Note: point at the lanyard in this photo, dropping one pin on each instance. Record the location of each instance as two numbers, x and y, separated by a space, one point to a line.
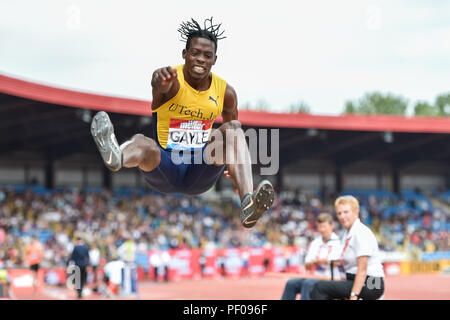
345 248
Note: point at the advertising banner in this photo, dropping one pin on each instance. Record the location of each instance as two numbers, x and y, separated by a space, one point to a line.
22 281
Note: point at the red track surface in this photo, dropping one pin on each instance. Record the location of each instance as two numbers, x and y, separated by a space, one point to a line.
412 287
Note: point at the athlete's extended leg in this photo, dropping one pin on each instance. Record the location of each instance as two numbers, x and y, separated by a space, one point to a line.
229 140
140 151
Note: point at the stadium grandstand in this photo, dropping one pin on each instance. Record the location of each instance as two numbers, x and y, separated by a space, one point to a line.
53 183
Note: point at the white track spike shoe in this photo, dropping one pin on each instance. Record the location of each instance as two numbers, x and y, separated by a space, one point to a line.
102 131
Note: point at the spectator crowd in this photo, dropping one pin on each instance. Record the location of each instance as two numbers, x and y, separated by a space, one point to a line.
406 222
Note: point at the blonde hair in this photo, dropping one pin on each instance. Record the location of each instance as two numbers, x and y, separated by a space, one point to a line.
325 217
351 200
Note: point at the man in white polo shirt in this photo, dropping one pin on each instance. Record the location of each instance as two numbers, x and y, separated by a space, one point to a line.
360 259
321 251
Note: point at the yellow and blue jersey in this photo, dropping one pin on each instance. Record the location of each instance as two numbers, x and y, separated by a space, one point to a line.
185 121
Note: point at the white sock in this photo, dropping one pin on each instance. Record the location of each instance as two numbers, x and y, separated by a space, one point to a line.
123 145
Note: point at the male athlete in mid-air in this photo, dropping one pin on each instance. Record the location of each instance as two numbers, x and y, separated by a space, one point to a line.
186 101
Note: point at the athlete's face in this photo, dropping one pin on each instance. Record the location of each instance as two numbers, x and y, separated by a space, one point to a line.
199 58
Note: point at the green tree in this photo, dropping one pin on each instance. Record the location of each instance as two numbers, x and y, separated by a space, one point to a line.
299 107
443 104
377 103
423 108
350 107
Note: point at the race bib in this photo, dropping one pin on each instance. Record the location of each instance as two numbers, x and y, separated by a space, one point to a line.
188 134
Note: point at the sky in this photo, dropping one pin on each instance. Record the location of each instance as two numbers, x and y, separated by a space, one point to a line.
280 52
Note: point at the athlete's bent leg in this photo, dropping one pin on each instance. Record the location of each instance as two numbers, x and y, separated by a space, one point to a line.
142 152
229 138
228 146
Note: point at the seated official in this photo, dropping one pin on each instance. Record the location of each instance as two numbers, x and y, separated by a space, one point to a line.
321 251
360 259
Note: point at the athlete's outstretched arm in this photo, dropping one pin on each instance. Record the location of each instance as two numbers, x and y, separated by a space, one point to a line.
165 86
141 151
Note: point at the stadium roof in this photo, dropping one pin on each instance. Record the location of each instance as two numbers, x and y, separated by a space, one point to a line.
54 123
71 98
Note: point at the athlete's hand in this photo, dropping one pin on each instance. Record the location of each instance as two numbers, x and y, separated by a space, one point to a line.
165 86
165 76
228 175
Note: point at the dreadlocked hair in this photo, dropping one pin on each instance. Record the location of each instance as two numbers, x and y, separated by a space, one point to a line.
192 29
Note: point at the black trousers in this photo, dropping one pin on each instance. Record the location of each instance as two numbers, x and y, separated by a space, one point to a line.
329 290
83 280
166 273
155 274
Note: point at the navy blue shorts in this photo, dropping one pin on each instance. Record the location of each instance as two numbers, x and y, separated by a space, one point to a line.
187 178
